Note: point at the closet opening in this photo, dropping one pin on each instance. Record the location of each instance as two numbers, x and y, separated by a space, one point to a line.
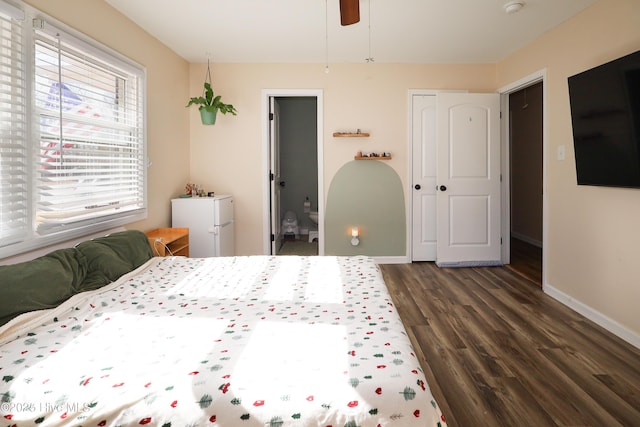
526 186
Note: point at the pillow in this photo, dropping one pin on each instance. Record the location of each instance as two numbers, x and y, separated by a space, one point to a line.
111 256
41 283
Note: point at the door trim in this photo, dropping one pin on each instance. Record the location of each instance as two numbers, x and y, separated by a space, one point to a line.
266 185
505 91
275 201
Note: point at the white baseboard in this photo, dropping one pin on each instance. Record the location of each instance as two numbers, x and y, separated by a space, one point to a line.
391 260
593 315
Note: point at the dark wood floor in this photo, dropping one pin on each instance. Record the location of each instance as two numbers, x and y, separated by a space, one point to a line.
497 351
526 260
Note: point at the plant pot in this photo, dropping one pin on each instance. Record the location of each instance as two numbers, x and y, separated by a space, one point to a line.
208 115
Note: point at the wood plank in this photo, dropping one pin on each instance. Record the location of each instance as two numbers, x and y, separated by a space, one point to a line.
526 260
497 351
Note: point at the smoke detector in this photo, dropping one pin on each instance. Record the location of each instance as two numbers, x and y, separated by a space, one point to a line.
513 6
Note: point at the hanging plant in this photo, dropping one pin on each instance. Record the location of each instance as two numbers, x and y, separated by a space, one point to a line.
210 103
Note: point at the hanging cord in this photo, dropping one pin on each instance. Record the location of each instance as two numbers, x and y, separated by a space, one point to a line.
207 76
166 248
61 134
370 58
326 37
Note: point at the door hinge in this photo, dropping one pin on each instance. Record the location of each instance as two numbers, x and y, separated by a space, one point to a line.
500 177
500 114
270 116
273 237
271 176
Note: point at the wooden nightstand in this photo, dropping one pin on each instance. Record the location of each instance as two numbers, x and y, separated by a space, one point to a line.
169 241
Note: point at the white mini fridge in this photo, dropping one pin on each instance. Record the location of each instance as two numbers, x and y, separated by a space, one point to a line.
210 224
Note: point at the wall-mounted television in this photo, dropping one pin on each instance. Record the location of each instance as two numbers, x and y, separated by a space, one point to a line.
605 115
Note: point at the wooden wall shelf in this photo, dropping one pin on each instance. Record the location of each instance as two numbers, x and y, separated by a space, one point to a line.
372 158
351 134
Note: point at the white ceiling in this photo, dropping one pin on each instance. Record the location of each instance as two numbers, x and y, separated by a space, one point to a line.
401 31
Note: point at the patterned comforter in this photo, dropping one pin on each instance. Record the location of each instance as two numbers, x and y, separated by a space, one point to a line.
237 341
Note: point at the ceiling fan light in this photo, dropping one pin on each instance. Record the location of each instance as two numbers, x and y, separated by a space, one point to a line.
513 6
349 12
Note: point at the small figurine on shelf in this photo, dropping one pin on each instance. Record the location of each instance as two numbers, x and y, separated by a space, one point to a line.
188 189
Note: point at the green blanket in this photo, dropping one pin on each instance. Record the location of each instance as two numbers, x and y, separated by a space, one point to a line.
47 281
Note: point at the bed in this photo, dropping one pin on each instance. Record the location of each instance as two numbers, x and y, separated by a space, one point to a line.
232 341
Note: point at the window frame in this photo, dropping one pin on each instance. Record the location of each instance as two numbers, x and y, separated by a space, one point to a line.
34 240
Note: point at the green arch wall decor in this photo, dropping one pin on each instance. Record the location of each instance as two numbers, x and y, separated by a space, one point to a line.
369 195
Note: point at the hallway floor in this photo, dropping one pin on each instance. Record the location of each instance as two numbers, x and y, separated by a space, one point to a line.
526 260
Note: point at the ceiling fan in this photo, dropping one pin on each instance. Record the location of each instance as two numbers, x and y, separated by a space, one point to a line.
349 12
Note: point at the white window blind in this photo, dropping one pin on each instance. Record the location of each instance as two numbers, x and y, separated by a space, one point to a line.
89 114
14 154
72 133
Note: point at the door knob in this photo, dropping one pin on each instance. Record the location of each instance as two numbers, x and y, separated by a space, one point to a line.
417 187
443 188
282 184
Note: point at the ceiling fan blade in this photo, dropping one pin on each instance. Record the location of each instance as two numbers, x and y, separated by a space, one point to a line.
349 12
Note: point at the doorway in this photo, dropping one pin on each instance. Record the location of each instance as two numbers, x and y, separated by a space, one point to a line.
298 184
292 157
526 180
528 259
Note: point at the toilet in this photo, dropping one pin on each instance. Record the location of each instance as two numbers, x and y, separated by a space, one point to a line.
313 216
313 234
290 228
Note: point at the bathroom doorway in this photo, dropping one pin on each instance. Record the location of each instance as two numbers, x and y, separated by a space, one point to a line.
294 173
298 162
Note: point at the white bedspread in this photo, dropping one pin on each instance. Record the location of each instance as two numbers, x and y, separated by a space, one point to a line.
238 341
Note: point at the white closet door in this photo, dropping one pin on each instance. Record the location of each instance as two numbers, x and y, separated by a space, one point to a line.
424 240
468 195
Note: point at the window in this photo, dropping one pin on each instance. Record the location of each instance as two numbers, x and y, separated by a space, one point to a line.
72 147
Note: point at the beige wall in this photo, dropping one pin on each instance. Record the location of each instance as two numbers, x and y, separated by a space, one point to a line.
593 234
167 89
227 157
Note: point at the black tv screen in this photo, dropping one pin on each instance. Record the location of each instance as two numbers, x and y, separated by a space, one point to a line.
605 115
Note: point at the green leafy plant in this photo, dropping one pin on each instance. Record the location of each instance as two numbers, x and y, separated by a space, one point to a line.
211 102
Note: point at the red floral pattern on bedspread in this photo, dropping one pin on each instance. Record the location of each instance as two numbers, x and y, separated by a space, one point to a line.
246 341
